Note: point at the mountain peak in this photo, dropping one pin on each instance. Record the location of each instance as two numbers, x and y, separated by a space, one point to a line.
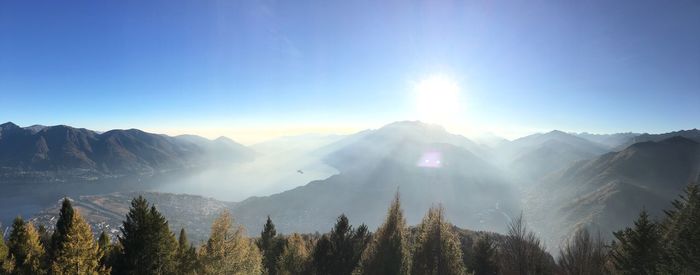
8 125
224 139
35 128
557 133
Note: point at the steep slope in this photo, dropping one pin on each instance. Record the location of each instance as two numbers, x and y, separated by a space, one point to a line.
693 134
383 142
611 141
63 152
404 157
535 156
607 192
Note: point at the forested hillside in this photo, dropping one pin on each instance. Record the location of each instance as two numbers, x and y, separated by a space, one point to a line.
147 245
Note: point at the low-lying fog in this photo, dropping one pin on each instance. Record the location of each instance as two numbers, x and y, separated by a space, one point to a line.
282 164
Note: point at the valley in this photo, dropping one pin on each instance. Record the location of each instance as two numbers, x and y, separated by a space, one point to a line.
303 183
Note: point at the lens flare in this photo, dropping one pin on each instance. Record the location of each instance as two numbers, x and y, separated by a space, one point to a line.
430 159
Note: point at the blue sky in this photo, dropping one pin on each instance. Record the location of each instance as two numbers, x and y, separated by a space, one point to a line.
256 69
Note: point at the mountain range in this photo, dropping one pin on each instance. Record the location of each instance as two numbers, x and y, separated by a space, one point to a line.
605 193
63 152
560 181
424 163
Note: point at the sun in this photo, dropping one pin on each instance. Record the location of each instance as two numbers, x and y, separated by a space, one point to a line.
437 99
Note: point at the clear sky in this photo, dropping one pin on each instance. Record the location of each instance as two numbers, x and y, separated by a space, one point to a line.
254 69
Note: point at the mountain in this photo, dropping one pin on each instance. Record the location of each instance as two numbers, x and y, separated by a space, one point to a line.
534 157
611 141
384 142
423 162
63 152
693 134
606 193
221 149
491 140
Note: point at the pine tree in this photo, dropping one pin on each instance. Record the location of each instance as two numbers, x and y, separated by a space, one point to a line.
485 260
25 247
638 250
78 253
295 257
148 245
681 234
522 252
65 218
270 246
44 236
186 255
437 250
336 253
228 251
360 239
388 252
583 255
105 248
321 256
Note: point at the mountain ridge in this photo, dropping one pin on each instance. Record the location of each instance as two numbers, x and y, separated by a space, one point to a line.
65 152
598 192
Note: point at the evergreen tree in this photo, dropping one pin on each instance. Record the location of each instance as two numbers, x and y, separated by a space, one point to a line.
44 236
342 247
25 248
148 246
105 248
522 252
388 252
65 218
485 260
228 251
340 251
270 246
638 250
360 238
681 234
437 250
78 253
295 257
186 255
583 255
321 257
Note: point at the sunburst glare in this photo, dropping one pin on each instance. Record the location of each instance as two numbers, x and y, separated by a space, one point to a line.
437 99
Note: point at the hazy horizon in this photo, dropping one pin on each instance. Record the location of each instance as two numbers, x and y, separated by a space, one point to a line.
254 136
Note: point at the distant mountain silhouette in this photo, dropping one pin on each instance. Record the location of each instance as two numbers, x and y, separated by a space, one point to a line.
607 192
383 142
64 152
577 180
535 156
611 141
426 164
693 134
